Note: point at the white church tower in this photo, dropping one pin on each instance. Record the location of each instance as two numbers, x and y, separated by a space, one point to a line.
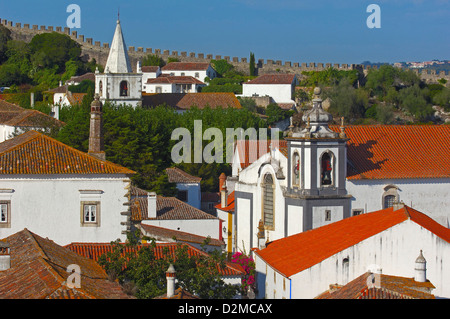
118 84
317 162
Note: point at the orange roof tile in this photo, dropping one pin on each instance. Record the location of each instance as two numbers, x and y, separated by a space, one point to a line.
36 153
14 115
161 251
175 79
177 175
250 150
293 254
230 204
38 271
397 151
389 287
185 101
165 234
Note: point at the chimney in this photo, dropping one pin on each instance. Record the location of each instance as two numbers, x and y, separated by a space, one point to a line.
420 269
151 199
95 132
170 276
5 256
223 190
398 205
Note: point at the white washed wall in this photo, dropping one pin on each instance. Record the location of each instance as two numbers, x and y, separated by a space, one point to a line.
51 207
394 250
429 196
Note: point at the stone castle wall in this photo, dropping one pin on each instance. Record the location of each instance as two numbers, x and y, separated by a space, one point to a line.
99 51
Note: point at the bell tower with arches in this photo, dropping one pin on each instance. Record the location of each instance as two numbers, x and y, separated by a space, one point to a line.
317 167
118 84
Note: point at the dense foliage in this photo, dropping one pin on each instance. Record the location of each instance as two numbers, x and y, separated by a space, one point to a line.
144 275
386 95
140 139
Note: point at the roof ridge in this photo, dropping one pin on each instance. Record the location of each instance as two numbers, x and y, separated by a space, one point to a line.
35 134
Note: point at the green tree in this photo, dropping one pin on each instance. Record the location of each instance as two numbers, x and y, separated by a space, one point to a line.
53 49
153 60
347 101
197 274
252 64
414 100
5 36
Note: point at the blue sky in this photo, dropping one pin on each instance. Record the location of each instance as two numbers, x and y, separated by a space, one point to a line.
321 31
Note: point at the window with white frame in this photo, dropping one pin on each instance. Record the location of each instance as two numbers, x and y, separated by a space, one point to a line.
90 213
5 214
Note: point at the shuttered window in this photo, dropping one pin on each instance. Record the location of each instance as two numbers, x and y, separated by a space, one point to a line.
268 200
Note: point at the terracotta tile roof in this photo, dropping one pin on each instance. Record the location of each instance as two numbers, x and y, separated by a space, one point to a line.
185 101
14 115
59 89
273 79
387 287
78 79
165 234
186 66
250 150
168 208
292 254
150 69
175 80
230 204
75 98
36 153
177 175
38 271
179 294
398 151
162 251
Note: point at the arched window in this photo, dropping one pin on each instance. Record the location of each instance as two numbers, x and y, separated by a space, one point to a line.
389 201
124 89
326 172
390 196
296 170
268 200
100 88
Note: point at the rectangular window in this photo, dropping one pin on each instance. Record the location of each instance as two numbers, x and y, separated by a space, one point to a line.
5 214
182 195
356 212
328 215
90 214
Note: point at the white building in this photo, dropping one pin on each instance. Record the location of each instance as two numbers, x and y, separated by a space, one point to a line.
279 87
198 70
14 120
118 83
173 84
60 192
188 186
383 242
148 72
149 209
320 175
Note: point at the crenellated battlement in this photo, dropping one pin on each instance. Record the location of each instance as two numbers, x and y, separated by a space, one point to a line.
99 51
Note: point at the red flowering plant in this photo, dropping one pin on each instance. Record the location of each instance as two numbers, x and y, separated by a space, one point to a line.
248 264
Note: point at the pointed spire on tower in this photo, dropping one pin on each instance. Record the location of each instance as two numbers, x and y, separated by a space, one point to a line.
118 60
